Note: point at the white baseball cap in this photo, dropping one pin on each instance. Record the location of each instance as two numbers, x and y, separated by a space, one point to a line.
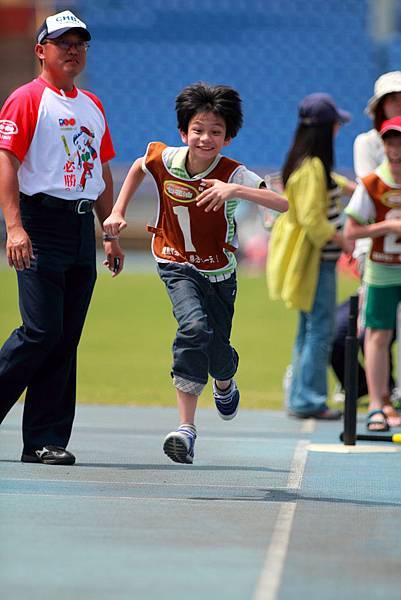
386 84
55 25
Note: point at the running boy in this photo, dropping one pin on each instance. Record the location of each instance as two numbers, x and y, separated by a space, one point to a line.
375 211
194 240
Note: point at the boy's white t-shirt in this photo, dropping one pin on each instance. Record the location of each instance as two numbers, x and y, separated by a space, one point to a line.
362 208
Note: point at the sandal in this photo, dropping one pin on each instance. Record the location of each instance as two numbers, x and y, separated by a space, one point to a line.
391 414
376 421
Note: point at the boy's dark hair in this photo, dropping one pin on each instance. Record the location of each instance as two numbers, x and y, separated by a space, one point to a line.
310 141
221 100
392 133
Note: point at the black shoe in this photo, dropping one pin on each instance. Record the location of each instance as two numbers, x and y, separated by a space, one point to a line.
49 455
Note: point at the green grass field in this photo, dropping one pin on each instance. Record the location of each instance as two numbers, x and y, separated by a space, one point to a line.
125 352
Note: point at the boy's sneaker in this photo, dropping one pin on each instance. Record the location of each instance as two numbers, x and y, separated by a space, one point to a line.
226 402
179 445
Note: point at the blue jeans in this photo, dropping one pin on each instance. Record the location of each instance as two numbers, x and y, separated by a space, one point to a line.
312 349
204 311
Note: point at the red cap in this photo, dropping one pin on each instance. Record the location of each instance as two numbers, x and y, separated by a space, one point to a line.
393 124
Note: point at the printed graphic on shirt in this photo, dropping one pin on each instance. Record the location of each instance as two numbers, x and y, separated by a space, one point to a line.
184 232
392 199
180 192
80 162
385 249
60 139
7 129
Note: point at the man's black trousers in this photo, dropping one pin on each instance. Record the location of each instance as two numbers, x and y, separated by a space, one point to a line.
54 295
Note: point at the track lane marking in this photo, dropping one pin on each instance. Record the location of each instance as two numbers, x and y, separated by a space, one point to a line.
270 578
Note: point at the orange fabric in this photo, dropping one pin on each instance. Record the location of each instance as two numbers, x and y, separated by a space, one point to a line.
184 232
385 199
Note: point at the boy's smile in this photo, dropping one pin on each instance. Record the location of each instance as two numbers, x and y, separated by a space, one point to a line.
205 138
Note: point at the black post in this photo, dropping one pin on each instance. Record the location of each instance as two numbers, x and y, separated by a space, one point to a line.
351 375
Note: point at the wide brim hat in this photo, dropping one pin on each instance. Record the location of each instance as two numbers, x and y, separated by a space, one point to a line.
55 25
386 84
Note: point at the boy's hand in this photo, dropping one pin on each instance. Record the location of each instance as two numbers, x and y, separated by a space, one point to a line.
346 245
216 194
114 257
114 224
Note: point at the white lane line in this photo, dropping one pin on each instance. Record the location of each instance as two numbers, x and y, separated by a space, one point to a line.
270 578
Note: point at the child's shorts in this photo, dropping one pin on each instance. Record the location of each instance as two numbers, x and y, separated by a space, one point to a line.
380 306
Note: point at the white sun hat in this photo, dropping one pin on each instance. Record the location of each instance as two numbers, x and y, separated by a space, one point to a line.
386 84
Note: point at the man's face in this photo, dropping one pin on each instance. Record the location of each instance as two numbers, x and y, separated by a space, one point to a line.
63 56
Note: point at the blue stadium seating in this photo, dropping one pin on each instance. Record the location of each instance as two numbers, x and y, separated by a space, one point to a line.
273 51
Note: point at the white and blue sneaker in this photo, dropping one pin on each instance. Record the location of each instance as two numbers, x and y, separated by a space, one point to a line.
179 445
226 402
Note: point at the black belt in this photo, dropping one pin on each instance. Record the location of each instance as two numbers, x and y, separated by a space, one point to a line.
81 206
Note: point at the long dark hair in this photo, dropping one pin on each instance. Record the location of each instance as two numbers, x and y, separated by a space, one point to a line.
379 115
310 141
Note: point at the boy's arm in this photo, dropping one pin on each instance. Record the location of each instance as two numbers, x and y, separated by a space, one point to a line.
217 193
361 213
116 221
354 230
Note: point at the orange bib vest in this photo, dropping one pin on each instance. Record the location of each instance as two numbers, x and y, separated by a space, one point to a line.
183 231
385 249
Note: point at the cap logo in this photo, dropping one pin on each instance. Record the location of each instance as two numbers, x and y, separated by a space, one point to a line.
67 18
63 19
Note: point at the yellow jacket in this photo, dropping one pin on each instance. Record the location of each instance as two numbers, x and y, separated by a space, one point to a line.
298 236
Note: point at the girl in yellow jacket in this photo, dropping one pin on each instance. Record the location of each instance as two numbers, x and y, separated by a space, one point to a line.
304 247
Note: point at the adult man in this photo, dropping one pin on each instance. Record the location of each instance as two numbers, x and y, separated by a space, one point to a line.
47 200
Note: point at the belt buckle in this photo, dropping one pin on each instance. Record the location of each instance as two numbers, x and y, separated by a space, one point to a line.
83 206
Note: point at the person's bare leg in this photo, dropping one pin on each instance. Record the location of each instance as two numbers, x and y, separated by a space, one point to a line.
377 342
223 385
186 407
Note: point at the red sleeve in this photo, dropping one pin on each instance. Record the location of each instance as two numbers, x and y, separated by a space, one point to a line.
18 119
107 151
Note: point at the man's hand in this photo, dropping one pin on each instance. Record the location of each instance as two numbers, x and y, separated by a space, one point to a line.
19 248
114 224
114 257
216 194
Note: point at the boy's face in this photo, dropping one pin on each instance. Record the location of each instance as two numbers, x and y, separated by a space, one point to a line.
206 136
392 149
